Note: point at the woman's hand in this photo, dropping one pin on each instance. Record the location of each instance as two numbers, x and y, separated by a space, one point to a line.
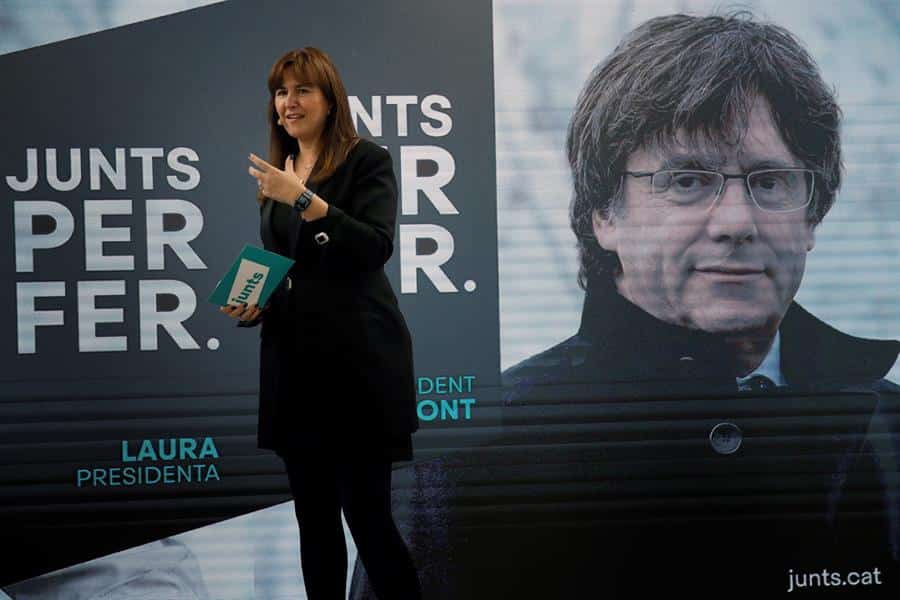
279 185
243 312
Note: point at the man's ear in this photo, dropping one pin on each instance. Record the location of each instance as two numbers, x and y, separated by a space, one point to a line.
810 236
605 231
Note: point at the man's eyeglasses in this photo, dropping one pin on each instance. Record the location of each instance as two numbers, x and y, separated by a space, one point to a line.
772 190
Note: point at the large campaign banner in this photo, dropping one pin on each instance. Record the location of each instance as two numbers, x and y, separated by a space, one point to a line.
649 264
128 401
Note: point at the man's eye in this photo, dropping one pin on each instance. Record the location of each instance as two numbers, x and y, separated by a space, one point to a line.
689 181
787 182
768 182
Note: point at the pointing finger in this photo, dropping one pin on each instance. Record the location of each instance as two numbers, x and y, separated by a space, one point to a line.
260 162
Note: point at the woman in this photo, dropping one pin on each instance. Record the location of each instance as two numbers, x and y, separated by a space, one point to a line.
337 398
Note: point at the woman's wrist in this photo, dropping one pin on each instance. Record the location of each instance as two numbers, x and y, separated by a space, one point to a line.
317 209
296 192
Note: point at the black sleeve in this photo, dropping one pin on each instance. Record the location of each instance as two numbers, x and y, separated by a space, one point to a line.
361 236
251 322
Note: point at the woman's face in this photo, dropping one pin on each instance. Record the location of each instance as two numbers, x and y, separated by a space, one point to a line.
302 108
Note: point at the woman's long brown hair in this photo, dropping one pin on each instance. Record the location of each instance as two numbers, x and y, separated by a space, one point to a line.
311 65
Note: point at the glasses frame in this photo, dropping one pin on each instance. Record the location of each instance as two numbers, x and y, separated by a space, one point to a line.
743 176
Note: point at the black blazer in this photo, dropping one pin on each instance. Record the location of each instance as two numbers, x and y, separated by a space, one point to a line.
336 371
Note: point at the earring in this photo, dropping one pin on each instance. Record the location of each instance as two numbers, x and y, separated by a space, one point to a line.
279 120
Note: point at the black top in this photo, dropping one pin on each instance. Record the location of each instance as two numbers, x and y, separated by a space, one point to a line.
281 223
336 372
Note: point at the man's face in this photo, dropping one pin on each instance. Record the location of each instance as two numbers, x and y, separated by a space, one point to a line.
728 268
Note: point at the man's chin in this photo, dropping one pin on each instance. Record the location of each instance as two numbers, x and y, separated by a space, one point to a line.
725 318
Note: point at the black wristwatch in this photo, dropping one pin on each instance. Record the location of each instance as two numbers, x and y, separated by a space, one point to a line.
303 201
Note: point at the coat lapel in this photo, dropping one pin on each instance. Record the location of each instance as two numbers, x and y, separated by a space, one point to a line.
815 354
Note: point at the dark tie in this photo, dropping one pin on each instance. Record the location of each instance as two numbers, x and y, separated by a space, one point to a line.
757 383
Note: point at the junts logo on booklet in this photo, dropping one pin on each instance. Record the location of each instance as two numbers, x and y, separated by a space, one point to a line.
251 278
248 283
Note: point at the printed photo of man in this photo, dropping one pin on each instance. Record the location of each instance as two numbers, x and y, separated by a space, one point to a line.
704 154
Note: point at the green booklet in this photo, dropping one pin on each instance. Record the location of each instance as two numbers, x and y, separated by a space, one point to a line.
252 278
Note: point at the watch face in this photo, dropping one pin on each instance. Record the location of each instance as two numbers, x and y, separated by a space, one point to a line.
303 201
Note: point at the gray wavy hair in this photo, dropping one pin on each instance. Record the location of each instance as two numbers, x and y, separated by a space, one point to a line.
697 76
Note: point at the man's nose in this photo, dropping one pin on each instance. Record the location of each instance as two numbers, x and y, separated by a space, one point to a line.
733 216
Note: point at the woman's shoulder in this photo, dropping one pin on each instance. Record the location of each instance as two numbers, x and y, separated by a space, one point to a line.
365 150
364 157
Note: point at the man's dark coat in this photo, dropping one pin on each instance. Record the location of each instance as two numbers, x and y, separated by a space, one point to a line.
642 502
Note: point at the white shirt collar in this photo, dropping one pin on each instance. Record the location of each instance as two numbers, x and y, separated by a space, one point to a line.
770 366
